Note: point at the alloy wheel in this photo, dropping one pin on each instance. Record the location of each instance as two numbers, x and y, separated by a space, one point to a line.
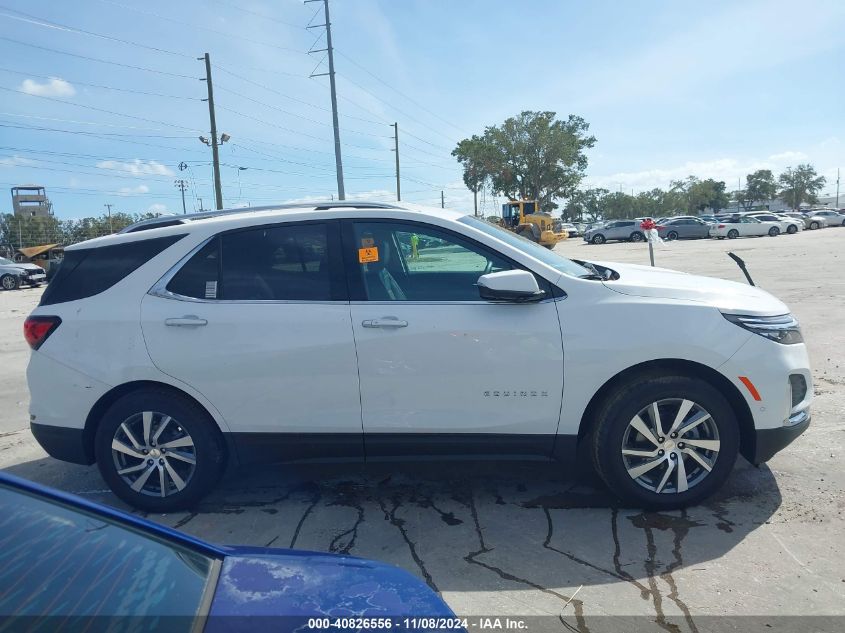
675 457
153 454
8 282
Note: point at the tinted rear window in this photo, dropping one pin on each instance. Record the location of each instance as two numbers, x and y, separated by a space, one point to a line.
90 271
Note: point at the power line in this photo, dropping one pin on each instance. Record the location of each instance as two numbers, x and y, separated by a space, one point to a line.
33 19
88 107
96 59
82 83
256 13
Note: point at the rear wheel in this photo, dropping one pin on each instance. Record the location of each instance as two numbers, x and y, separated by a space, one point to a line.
774 231
792 229
10 282
159 451
733 234
664 442
598 239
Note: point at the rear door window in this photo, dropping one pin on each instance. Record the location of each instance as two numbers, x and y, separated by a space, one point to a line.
86 272
288 262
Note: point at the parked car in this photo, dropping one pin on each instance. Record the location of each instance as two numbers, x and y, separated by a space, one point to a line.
65 559
743 226
683 228
786 224
13 275
571 230
832 218
811 222
710 219
306 331
621 230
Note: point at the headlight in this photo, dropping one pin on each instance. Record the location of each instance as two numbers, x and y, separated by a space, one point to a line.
781 329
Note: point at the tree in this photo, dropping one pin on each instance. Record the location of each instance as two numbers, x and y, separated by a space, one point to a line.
530 156
694 195
799 185
585 204
472 154
759 186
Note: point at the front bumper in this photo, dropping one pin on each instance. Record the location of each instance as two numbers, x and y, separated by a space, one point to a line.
770 441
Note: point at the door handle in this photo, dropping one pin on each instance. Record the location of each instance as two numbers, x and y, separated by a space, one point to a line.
385 322
186 321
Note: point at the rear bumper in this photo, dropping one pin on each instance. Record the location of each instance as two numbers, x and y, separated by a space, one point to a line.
64 443
771 441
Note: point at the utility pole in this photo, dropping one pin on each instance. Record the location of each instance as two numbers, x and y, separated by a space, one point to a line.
442 200
215 156
200 199
181 185
109 206
837 187
341 193
396 149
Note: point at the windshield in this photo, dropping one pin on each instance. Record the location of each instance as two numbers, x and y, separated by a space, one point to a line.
6 262
541 253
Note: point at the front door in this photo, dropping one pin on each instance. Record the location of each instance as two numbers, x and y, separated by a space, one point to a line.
257 321
442 371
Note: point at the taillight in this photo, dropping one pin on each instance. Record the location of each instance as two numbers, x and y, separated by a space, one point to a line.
36 329
721 226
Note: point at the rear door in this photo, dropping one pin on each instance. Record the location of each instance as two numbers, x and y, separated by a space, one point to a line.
257 321
442 371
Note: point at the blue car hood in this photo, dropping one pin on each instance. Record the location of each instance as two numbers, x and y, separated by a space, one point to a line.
307 584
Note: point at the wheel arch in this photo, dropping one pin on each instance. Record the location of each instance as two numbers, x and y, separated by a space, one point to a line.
677 366
113 395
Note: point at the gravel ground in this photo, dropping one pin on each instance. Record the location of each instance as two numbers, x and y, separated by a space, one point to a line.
519 538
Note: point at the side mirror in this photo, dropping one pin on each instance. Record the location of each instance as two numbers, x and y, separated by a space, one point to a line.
517 286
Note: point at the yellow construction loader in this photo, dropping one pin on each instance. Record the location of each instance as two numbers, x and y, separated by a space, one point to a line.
524 218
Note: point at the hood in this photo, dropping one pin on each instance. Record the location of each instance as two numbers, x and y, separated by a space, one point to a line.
23 266
306 584
727 296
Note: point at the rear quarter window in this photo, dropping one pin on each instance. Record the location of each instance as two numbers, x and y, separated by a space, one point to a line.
89 271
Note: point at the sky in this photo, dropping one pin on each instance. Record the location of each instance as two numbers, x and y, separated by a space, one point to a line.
102 99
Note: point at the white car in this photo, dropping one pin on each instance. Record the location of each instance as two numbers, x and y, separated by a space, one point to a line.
787 225
13 274
345 330
743 226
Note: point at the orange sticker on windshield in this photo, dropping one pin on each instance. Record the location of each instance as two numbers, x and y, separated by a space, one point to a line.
367 255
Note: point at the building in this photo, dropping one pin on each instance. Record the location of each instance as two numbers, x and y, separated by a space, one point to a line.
31 201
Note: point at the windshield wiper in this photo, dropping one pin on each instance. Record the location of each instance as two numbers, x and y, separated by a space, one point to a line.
593 276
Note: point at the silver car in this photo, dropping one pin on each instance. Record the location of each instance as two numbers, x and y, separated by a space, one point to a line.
683 227
833 218
811 222
13 275
621 230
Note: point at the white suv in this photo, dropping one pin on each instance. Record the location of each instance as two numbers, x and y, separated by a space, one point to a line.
354 330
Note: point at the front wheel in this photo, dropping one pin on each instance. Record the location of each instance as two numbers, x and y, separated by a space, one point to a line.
664 442
10 282
672 236
598 239
159 451
814 226
774 231
636 236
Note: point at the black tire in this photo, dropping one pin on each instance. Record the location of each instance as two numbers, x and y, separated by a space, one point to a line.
792 229
636 236
672 236
208 449
598 238
814 225
774 231
623 404
10 282
733 234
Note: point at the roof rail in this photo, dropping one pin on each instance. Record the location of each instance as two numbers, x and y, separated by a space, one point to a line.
171 220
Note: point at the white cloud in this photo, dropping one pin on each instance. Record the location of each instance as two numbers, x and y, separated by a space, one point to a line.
15 161
134 190
158 208
53 87
137 167
730 170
